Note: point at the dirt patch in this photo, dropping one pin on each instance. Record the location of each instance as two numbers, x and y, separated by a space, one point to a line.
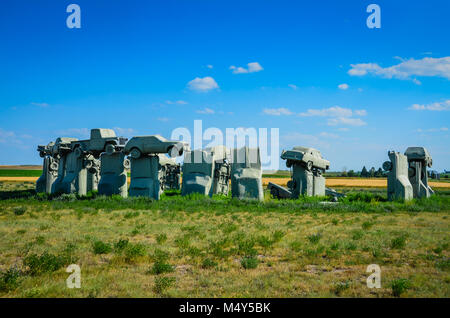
24 167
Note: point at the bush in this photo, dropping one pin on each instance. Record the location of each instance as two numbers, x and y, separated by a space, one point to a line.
357 235
100 247
398 242
183 242
314 238
44 263
399 286
367 197
120 245
9 280
134 250
161 238
443 264
367 225
160 267
264 241
350 246
245 248
249 262
20 210
340 287
278 235
40 240
334 246
162 283
208 263
160 255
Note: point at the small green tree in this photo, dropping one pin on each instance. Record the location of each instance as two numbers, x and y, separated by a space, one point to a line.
364 173
379 172
372 172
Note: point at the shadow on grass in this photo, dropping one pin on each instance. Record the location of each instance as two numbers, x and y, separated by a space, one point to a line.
172 201
17 194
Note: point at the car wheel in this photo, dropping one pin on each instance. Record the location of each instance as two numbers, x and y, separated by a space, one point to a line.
110 149
135 153
175 151
411 172
78 152
88 164
126 164
54 166
387 166
274 193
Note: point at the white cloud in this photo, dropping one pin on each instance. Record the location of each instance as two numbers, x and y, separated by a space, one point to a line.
179 102
238 70
209 66
361 112
204 84
328 135
432 129
343 86
334 111
43 105
428 66
251 68
6 136
206 111
277 111
339 115
438 106
83 133
10 138
254 67
295 139
349 121
127 132
293 86
163 119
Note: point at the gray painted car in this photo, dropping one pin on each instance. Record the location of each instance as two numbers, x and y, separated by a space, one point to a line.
310 157
154 144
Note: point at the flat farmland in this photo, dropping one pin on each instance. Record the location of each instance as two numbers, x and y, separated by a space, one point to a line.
197 246
330 182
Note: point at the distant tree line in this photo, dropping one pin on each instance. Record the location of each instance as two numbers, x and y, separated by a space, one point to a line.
364 173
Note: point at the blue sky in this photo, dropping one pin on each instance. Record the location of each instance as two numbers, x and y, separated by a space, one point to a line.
316 72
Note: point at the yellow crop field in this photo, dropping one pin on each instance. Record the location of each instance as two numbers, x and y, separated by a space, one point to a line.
330 182
353 182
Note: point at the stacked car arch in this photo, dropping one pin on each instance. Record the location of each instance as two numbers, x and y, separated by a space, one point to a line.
101 163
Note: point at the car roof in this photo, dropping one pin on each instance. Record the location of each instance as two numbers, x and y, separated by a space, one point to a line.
159 137
305 149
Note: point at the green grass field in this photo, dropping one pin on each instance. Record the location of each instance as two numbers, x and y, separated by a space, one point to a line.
220 247
20 173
